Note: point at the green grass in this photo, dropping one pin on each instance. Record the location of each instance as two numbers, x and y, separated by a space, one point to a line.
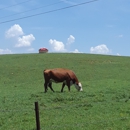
104 103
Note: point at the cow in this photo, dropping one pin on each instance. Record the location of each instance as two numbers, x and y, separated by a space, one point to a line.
61 75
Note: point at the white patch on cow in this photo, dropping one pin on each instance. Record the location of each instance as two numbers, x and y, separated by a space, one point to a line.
71 82
78 86
52 80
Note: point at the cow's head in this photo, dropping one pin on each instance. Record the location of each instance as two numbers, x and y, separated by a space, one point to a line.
78 86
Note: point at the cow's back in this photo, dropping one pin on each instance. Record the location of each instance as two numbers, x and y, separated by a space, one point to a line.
59 74
72 75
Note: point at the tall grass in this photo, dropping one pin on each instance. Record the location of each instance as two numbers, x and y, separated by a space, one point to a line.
103 104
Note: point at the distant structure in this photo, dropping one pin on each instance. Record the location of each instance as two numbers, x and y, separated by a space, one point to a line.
43 50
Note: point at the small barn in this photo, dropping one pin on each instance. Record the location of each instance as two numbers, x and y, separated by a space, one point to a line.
43 50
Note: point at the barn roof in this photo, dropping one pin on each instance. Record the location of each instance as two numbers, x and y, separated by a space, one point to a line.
43 49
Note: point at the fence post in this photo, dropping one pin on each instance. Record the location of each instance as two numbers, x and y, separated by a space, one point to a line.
37 116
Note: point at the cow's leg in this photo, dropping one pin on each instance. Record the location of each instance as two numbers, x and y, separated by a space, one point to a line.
45 87
68 84
63 85
50 86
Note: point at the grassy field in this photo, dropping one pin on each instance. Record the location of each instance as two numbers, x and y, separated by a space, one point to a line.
104 103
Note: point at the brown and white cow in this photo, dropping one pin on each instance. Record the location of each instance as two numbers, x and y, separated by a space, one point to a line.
58 75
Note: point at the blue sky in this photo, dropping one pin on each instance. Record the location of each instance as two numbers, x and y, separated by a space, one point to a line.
99 27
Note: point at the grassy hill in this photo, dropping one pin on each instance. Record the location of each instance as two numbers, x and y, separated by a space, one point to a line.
103 104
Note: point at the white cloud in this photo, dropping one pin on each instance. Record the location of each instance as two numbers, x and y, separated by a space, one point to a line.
57 45
14 31
17 34
25 41
76 51
70 40
100 49
6 51
118 54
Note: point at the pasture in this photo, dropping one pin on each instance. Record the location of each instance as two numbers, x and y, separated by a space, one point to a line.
104 103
